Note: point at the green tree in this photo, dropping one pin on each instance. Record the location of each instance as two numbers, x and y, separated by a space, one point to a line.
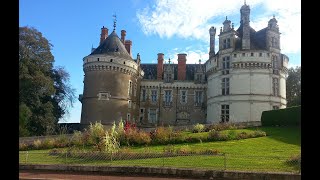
293 89
43 90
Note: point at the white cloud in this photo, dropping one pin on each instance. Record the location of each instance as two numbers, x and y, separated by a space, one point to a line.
191 18
193 56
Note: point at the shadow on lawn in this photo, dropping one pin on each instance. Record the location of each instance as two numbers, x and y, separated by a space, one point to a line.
290 135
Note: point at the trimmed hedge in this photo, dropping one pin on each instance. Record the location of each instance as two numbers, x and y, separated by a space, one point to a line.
282 117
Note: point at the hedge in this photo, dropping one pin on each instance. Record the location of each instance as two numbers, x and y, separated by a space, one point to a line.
282 117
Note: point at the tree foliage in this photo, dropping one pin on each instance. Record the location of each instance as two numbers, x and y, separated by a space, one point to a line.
44 91
293 89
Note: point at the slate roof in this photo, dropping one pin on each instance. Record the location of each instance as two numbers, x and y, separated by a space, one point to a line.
150 71
113 46
257 39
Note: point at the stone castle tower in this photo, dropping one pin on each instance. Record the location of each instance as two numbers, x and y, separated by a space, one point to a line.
248 74
111 81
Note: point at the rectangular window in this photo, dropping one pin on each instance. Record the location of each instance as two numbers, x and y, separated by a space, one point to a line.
167 97
225 65
103 96
129 104
128 117
198 100
225 113
152 115
153 96
130 88
260 54
143 98
228 43
243 54
225 86
141 110
251 54
168 78
183 96
275 86
199 77
224 44
135 90
235 55
275 65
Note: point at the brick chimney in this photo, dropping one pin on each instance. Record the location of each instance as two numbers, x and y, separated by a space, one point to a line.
123 36
182 60
104 34
128 45
160 66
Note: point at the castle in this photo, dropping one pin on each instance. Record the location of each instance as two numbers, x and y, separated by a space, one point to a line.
236 84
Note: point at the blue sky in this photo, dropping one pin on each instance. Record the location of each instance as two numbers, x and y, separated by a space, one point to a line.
166 26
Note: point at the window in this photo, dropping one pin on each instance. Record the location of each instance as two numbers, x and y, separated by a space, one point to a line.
130 88
225 65
124 62
128 117
260 54
168 78
226 43
274 42
199 77
152 115
243 54
129 104
183 96
103 96
275 107
141 110
98 59
225 86
135 90
275 86
235 55
143 98
224 113
251 54
167 97
153 96
268 54
275 65
111 60
198 100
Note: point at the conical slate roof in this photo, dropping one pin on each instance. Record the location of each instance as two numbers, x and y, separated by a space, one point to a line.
112 46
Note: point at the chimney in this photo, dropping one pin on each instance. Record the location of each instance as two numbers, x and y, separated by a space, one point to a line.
104 34
128 45
123 36
182 59
160 66
212 32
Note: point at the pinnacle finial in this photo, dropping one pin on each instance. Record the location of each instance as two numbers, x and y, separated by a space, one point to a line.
169 61
226 17
245 2
114 21
199 61
273 16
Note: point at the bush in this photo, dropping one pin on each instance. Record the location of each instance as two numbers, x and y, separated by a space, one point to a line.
210 151
23 147
37 144
184 150
134 137
168 149
232 135
242 135
162 135
48 143
198 128
295 161
259 133
216 136
77 138
221 127
282 117
61 141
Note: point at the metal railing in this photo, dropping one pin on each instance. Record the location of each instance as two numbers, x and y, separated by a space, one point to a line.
205 160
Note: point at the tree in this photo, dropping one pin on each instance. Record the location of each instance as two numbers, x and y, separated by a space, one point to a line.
42 88
293 87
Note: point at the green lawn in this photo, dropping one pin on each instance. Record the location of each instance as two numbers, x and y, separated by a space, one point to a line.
256 154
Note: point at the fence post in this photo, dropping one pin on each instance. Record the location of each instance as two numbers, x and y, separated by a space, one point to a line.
27 157
225 161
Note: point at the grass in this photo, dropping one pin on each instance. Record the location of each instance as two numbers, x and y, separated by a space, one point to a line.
256 154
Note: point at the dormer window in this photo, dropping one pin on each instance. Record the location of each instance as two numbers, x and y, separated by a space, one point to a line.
226 43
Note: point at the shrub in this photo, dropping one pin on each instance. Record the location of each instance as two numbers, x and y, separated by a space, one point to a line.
282 117
210 151
77 138
61 141
295 161
184 150
23 147
232 135
37 144
198 128
111 143
97 135
161 135
55 152
48 143
217 136
242 135
134 137
221 127
259 133
168 149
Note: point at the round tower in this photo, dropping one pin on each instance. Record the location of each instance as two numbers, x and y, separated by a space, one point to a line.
111 82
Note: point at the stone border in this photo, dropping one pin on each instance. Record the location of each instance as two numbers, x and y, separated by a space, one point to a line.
162 171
